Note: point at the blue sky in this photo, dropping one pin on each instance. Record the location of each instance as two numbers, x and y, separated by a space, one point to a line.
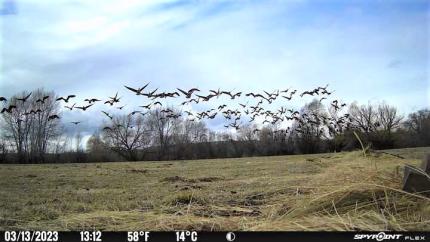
366 50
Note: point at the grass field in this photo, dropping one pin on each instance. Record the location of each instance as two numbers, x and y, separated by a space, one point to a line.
336 191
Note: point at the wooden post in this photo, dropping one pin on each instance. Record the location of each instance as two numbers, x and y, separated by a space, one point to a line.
416 180
425 165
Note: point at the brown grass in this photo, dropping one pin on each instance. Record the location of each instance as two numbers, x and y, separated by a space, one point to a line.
340 191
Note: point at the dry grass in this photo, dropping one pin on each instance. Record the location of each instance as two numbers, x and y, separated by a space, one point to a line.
342 191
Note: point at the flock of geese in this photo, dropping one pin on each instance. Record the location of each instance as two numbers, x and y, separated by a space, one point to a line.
234 116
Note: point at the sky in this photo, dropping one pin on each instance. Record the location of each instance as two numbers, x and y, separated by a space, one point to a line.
367 50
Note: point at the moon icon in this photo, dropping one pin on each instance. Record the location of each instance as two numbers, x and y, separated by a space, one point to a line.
230 236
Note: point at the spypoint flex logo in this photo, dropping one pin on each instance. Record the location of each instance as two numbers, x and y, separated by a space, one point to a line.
378 237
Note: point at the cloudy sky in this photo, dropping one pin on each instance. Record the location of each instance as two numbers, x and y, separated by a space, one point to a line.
367 50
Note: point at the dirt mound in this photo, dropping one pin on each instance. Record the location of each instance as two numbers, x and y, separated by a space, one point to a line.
188 187
226 212
190 180
137 171
174 179
185 198
209 179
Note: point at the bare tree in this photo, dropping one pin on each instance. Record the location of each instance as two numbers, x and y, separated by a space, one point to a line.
418 124
197 130
310 130
3 151
60 147
248 133
95 144
272 140
182 139
249 137
29 127
186 137
377 123
78 144
162 127
266 140
364 117
127 136
97 150
388 118
80 155
337 125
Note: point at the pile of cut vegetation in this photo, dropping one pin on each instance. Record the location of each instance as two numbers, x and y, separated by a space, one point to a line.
359 193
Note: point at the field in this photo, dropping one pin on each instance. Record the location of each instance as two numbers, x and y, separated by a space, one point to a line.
336 191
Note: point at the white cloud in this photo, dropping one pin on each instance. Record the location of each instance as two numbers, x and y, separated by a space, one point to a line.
94 47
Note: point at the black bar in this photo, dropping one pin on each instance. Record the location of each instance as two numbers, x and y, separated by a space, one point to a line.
122 236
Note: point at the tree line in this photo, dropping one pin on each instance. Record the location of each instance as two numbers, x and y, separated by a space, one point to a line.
39 138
